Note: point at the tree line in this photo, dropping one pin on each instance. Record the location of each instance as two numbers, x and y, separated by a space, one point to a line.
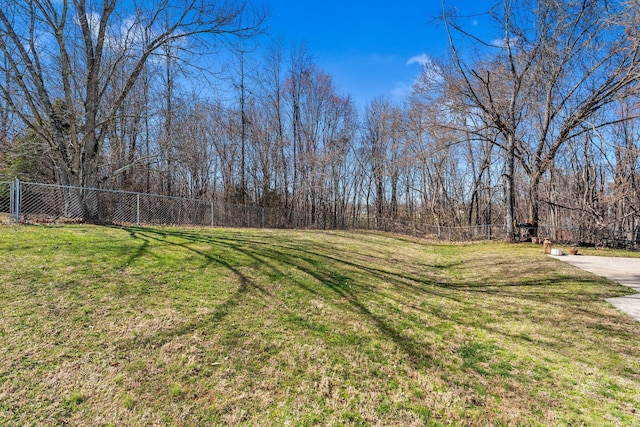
536 125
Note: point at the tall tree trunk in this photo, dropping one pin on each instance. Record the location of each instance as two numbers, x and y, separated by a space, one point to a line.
534 202
510 192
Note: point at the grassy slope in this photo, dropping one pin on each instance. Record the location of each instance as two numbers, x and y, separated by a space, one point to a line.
142 326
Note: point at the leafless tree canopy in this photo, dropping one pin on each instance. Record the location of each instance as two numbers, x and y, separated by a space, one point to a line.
536 124
72 65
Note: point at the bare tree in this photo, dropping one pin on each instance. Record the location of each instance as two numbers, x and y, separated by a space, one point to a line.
582 65
272 79
71 49
542 83
376 139
494 89
4 113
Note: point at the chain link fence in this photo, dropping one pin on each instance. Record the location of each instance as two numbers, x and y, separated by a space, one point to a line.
22 202
430 231
32 202
6 201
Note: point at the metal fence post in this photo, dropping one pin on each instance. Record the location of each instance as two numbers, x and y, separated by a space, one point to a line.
18 200
138 209
262 211
212 214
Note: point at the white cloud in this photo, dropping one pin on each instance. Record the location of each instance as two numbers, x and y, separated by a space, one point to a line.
422 59
499 43
400 91
431 71
502 43
93 19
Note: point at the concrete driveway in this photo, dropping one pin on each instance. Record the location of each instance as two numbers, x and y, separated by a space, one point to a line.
625 271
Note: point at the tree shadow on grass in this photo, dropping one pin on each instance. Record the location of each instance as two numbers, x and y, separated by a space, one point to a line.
344 287
158 338
276 256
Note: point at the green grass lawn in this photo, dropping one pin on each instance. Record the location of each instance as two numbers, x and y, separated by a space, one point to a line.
177 326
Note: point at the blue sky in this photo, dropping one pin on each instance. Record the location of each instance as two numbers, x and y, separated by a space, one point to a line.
368 46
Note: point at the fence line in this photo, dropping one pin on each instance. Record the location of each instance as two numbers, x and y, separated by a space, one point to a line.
7 201
22 202
34 202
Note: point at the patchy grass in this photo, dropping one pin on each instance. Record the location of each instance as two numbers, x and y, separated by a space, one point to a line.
176 326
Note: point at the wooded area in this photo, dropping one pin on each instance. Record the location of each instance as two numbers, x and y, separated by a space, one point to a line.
538 125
